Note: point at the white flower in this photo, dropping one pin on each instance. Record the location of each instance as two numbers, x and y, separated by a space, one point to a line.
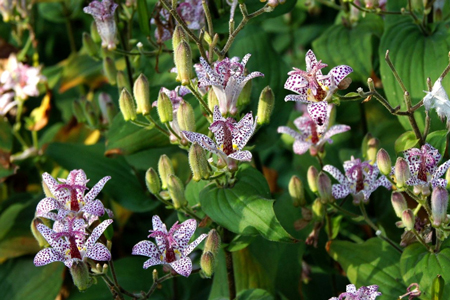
438 99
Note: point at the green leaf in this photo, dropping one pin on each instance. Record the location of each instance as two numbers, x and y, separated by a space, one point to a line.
254 294
420 266
353 46
6 139
193 190
143 17
438 140
246 208
8 217
372 262
405 141
123 187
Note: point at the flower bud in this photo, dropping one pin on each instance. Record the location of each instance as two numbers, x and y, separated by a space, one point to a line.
372 148
91 115
183 62
152 181
408 219
127 106
107 108
399 203
89 45
401 172
437 288
312 178
165 109
141 92
265 105
244 96
297 191
186 117
176 191
178 35
109 67
318 210
78 111
439 204
207 263
198 162
122 81
384 162
447 177
94 33
80 274
324 188
207 38
165 169
212 100
370 84
212 242
37 235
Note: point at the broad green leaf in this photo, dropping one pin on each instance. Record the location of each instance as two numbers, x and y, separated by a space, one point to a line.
353 46
59 12
438 140
245 208
406 141
255 294
143 16
193 190
373 262
239 242
8 217
420 266
81 69
123 187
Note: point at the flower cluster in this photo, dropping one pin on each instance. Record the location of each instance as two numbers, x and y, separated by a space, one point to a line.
363 293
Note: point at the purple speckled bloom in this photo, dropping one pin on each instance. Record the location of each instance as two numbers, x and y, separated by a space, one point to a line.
423 166
311 134
363 293
360 180
227 79
171 247
103 13
69 198
231 136
70 243
191 11
314 88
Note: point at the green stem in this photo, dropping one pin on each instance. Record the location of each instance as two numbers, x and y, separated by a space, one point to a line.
172 131
34 137
377 11
229 266
199 98
66 13
344 211
420 239
150 118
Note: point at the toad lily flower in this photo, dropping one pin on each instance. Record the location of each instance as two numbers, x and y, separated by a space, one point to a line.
438 99
103 13
363 293
231 137
314 88
68 197
191 11
423 166
312 135
360 180
227 80
171 247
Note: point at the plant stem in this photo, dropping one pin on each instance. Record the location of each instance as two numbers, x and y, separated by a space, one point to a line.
344 211
229 265
377 11
420 239
199 98
150 118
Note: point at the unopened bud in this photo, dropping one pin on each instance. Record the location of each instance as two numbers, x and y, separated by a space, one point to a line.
447 177
178 35
212 100
183 62
165 109
439 204
207 263
155 275
165 169
176 191
141 92
401 172
244 96
78 111
198 163
208 39
109 67
212 242
297 191
384 162
127 106
107 108
318 210
265 105
37 235
152 181
371 84
312 178
372 148
122 81
94 33
186 117
89 45
398 203
437 288
91 115
324 188
408 219
80 274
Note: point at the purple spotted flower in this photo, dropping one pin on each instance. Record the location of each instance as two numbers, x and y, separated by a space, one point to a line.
363 293
70 243
103 13
311 134
227 79
171 247
314 88
191 11
423 166
231 137
68 197
360 180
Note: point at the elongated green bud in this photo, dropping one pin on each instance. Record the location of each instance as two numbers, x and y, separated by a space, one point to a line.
408 219
208 39
244 96
165 109
372 148
122 81
37 235
439 205
165 169
265 105
399 203
183 62
312 176
152 181
318 210
447 177
178 35
89 45
437 288
186 117
198 163
78 111
401 172
91 115
212 100
176 191
109 67
324 188
141 92
297 191
212 242
80 275
155 275
207 263
384 162
94 33
370 84
127 106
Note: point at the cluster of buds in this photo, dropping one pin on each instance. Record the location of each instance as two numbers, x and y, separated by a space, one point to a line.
208 260
141 103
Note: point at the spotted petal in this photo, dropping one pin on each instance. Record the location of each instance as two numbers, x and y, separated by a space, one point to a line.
52 185
241 155
184 233
58 244
296 83
290 131
302 97
340 72
95 208
158 225
340 191
333 171
441 169
96 189
46 256
45 206
98 252
147 248
300 147
311 60
182 266
186 251
318 112
97 232
201 139
243 131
